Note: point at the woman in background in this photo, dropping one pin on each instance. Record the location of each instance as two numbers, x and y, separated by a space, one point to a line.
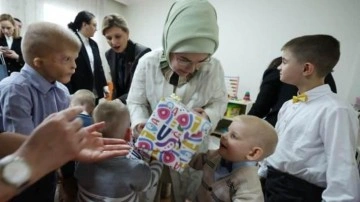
89 73
10 44
123 56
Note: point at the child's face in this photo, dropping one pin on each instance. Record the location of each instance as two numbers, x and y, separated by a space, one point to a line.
291 70
58 66
235 144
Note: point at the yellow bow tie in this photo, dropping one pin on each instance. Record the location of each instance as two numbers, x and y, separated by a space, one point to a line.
300 98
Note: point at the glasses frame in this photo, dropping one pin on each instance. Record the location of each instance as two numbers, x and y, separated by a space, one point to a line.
185 63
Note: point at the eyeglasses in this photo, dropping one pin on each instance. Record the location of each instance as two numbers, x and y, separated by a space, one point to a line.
186 63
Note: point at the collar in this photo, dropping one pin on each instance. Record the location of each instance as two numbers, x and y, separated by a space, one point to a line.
83 38
37 80
85 113
235 165
317 92
8 38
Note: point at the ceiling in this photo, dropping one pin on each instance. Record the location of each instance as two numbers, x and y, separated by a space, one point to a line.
129 2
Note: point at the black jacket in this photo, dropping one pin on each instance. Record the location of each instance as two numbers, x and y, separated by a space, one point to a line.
123 66
273 93
83 78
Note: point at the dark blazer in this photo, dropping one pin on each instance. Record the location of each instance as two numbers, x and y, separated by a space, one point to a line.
83 78
273 93
12 64
122 67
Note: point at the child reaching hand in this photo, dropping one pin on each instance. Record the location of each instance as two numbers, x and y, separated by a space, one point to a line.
230 173
119 178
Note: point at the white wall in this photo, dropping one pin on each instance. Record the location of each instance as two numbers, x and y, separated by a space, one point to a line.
146 20
253 31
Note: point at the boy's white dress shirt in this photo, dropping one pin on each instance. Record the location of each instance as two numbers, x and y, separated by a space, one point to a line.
317 141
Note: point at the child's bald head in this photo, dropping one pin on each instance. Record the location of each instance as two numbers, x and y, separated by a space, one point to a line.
249 139
116 116
260 133
44 38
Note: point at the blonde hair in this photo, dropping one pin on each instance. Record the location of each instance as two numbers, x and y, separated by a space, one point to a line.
261 133
114 20
116 116
44 38
83 97
8 17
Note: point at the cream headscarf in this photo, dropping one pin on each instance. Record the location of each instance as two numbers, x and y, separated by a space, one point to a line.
191 27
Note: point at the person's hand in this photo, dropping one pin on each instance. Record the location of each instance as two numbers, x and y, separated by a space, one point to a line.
58 139
201 112
96 148
4 48
138 128
61 138
10 54
107 92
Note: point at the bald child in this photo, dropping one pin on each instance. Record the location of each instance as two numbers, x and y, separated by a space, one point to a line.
119 178
230 173
86 99
31 95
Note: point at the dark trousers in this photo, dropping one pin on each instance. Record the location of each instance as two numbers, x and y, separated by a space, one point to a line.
42 191
283 187
67 184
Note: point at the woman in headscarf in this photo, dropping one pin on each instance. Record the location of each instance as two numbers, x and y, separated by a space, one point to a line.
184 66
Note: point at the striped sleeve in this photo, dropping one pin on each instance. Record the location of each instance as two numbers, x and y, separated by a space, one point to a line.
156 168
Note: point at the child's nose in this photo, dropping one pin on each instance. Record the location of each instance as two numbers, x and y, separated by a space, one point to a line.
74 64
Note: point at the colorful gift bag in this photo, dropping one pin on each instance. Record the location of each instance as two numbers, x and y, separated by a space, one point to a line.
173 134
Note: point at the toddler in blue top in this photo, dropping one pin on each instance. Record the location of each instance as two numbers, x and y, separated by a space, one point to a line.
86 99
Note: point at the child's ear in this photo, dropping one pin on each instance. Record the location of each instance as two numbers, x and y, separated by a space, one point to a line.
255 154
127 136
308 69
37 62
